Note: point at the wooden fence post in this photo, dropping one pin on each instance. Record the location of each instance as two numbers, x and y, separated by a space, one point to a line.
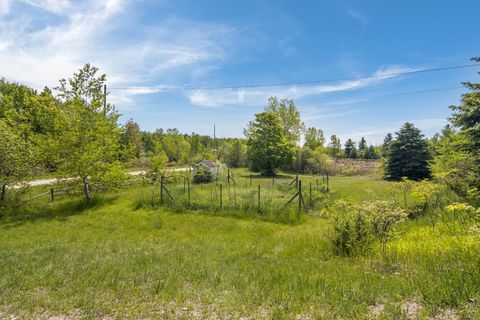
300 196
310 194
328 183
273 181
250 179
161 189
189 193
52 195
258 202
221 200
296 181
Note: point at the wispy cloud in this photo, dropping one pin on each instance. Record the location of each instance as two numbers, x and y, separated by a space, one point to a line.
52 39
358 16
259 96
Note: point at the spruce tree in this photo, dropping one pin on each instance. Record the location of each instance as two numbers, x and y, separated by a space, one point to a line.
409 155
350 149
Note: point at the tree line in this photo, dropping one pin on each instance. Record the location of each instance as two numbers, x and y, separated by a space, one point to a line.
72 131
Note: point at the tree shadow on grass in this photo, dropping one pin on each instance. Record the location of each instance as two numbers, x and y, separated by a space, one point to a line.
52 211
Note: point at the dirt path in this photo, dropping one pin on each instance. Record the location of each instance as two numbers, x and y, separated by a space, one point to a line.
43 182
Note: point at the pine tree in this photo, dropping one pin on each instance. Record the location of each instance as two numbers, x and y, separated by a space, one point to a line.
362 148
466 117
386 144
409 155
350 149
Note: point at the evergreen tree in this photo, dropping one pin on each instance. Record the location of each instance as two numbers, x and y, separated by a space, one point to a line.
362 147
409 155
350 149
466 117
386 144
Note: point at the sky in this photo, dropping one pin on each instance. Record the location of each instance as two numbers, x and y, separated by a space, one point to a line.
192 64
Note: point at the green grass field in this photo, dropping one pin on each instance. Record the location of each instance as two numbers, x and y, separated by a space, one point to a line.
118 260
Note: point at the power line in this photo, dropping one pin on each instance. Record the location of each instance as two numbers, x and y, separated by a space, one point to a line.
155 89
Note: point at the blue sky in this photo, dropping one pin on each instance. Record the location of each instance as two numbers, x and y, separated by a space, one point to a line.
159 49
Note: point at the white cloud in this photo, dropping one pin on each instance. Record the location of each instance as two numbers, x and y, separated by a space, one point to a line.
5 7
55 38
259 96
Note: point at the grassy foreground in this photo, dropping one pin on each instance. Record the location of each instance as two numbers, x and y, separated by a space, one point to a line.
113 261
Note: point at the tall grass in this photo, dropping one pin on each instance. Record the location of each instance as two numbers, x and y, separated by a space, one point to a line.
110 261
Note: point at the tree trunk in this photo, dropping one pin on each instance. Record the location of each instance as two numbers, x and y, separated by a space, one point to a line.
4 190
86 190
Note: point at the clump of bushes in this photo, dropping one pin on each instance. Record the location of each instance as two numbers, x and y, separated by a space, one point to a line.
202 175
359 226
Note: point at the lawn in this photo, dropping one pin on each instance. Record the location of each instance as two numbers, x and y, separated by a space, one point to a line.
115 260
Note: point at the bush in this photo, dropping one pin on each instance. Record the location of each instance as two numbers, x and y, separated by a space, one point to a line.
360 225
202 175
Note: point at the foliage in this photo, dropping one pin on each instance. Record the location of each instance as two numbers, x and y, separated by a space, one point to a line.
88 143
268 147
335 146
236 156
131 140
466 117
314 138
350 149
385 148
359 225
289 117
409 155
157 166
15 160
202 175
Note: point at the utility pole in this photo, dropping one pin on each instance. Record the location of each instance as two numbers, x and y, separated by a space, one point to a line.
215 141
104 99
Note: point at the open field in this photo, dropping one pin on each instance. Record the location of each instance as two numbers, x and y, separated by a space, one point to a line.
116 259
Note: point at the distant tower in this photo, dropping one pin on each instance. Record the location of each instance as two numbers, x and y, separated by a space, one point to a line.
215 142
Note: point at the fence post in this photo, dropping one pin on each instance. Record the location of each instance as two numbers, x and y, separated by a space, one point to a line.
328 183
258 203
221 200
310 194
184 184
189 193
52 195
250 179
273 181
161 189
300 196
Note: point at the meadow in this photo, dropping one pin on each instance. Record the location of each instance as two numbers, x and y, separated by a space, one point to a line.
127 256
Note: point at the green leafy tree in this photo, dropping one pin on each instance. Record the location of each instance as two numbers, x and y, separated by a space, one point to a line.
289 117
15 159
267 146
350 149
131 140
236 155
314 138
89 142
335 146
409 155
